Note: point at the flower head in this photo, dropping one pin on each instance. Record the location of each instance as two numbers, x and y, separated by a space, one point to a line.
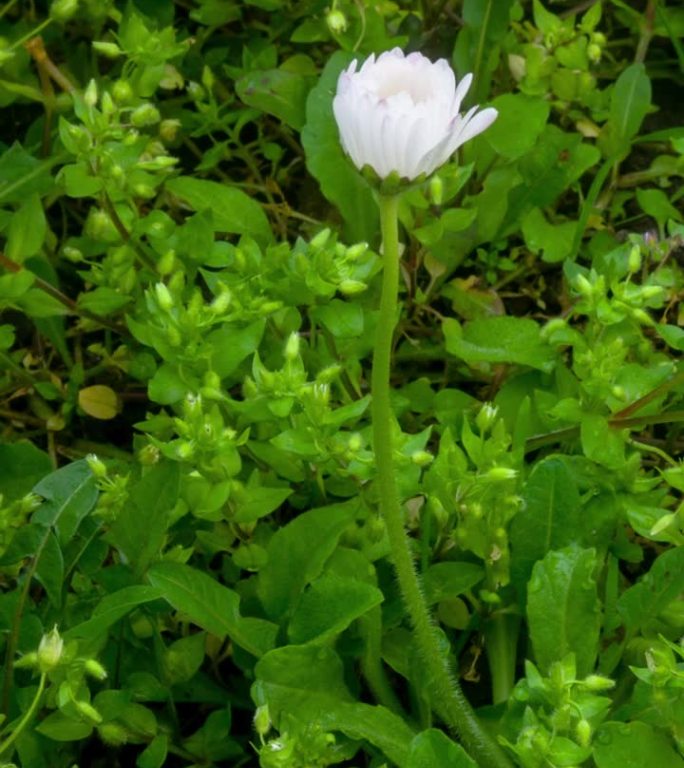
401 113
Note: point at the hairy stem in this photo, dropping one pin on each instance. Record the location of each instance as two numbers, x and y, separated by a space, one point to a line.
445 689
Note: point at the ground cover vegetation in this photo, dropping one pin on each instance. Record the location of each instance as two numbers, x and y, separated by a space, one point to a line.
194 567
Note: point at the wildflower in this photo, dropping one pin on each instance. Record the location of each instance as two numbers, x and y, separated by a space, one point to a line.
400 114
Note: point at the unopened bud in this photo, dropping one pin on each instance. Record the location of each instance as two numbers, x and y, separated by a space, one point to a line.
107 49
262 720
90 94
112 734
96 466
292 347
144 115
95 669
164 297
320 240
351 287
50 650
634 260
336 21
422 458
63 10
436 190
598 683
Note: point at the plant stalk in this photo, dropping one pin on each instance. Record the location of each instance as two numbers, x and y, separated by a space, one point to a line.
445 688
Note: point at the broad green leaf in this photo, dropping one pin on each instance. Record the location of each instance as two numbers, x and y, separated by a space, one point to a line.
22 465
99 401
655 591
230 345
329 606
630 101
297 553
155 753
140 528
552 241
58 727
548 518
78 181
520 121
446 580
167 385
433 748
112 608
499 340
259 502
655 203
233 211
277 92
70 494
340 182
21 175
307 682
27 230
343 319
211 606
634 745
103 301
600 442
563 610
50 569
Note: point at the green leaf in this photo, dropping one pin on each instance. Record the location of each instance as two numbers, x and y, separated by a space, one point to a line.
499 340
59 727
340 182
548 518
297 553
230 346
633 745
70 494
167 386
520 121
50 569
329 606
155 753
630 101
22 175
343 319
233 211
655 203
277 92
211 605
112 608
563 611
103 301
27 230
433 748
552 241
663 583
260 502
600 442
22 465
307 682
447 580
78 182
140 528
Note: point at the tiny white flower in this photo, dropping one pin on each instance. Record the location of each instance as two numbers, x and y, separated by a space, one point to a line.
401 114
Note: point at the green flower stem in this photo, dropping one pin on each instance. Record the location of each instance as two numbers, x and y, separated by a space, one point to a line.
26 719
445 688
501 636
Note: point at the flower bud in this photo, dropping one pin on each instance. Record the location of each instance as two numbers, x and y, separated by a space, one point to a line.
63 10
321 239
96 466
122 91
164 297
168 130
50 650
27 661
583 733
292 347
598 683
422 458
144 115
500 474
262 720
90 94
95 670
336 21
436 190
74 255
634 260
107 49
351 287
